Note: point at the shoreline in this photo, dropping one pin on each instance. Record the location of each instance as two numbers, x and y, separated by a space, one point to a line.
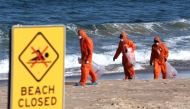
105 76
140 74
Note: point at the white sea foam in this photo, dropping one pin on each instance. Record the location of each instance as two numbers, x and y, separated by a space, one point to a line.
72 27
174 42
141 56
71 61
179 55
106 58
4 66
111 47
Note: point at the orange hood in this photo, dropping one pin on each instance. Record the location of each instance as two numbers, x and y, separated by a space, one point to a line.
157 38
82 33
124 35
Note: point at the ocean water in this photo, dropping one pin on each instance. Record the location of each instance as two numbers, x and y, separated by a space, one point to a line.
103 21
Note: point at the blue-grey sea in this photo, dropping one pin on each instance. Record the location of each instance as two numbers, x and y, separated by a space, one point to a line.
103 21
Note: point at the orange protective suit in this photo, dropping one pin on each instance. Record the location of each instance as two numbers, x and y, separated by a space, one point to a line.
159 55
122 46
86 47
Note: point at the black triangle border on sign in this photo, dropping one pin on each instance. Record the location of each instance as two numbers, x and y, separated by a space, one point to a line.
38 80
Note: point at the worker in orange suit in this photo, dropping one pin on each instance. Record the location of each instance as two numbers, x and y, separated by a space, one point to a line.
123 48
86 47
159 56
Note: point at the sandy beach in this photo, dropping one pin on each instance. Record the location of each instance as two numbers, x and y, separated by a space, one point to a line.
3 97
138 94
120 94
34 51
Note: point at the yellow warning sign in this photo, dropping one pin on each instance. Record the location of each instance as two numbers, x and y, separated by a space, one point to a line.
37 67
38 56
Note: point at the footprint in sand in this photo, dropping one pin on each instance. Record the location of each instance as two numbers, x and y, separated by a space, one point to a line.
2 92
183 85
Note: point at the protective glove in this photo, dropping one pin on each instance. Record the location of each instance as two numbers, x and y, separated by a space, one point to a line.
150 63
79 60
126 51
113 59
165 59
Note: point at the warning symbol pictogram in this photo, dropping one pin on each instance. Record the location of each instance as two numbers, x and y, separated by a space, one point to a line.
38 56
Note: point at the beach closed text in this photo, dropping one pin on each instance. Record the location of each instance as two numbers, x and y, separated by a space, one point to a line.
37 96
